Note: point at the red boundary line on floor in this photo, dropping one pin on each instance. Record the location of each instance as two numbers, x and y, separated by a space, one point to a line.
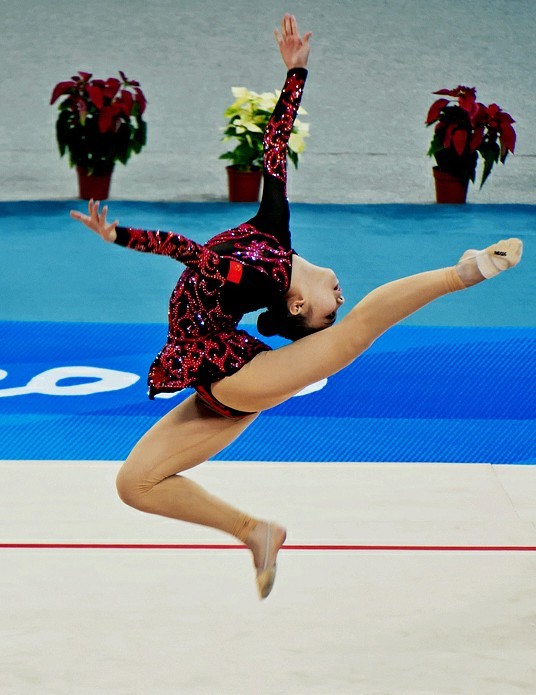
222 546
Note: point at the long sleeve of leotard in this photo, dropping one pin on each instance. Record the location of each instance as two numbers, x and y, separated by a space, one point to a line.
273 216
200 258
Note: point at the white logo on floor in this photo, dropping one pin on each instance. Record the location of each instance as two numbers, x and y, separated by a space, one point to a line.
48 383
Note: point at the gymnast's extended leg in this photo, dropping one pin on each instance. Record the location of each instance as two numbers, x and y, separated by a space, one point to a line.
272 377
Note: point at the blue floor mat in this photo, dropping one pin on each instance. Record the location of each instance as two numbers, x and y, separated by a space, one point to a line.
422 394
462 392
53 269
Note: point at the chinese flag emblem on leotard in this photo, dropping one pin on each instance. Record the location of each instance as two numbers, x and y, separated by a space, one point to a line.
235 272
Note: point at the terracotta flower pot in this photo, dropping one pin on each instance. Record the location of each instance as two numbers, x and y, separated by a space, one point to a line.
449 189
96 187
244 186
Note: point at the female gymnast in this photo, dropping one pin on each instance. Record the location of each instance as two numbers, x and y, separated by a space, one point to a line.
236 376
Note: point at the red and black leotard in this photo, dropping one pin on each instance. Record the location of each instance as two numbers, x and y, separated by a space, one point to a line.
235 272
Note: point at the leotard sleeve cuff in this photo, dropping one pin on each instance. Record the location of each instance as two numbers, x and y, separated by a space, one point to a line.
122 237
299 72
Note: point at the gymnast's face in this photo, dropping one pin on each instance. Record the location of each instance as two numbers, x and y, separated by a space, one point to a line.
321 300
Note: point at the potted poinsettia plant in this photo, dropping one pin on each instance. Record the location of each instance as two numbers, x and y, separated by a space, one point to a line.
466 129
247 118
99 123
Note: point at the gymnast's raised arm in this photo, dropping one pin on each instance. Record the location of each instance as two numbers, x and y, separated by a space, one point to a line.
273 216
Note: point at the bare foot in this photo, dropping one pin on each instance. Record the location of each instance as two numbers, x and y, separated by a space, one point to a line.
264 541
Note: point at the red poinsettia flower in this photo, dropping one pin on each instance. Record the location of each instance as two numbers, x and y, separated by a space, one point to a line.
467 102
96 95
449 92
94 108
60 89
435 110
459 140
126 102
466 129
111 87
140 99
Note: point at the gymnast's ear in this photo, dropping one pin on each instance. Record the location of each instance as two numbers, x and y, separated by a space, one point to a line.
296 306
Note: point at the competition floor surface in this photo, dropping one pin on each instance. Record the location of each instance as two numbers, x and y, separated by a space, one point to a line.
407 482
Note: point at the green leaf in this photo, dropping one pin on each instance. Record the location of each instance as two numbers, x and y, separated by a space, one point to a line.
435 146
293 156
490 152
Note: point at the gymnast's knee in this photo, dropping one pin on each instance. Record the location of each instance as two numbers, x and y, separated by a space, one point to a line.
130 488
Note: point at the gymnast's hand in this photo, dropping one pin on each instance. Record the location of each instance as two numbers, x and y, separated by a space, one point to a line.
294 49
97 222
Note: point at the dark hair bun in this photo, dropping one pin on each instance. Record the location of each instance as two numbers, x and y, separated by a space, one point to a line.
266 324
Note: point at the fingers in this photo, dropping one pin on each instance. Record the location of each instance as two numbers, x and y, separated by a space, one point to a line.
92 209
102 216
285 30
289 31
96 220
293 26
288 26
278 38
85 219
99 218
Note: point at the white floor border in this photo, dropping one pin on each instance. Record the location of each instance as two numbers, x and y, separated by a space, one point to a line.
338 622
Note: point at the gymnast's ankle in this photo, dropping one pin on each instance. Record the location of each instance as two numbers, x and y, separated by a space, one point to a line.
257 538
243 528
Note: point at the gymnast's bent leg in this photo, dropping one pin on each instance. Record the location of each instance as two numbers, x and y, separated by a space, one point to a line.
185 437
272 377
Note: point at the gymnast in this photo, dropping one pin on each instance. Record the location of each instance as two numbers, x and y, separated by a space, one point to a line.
236 376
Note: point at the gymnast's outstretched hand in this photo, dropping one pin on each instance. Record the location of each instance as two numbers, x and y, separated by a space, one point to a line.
97 221
294 49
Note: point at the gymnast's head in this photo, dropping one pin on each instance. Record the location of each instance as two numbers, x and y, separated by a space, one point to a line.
310 305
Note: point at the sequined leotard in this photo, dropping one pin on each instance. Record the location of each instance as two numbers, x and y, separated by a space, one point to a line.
235 272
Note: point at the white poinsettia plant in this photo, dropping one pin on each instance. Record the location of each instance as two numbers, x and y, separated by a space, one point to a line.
248 116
